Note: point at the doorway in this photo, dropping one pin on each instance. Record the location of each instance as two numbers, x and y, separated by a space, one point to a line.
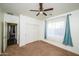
11 34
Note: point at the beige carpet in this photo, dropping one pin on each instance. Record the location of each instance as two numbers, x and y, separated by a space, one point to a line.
37 48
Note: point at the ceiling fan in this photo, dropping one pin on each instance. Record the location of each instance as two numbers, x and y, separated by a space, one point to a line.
41 10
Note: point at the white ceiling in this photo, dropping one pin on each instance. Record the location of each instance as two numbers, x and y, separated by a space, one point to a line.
23 8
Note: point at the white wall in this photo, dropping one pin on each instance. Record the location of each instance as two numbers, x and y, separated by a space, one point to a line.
1 21
29 29
11 18
74 26
42 29
74 22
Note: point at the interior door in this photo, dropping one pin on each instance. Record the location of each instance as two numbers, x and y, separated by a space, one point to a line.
0 37
4 36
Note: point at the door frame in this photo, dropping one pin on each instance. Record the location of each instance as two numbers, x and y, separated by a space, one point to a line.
5 34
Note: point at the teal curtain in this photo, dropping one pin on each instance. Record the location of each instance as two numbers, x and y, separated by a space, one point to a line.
67 37
45 30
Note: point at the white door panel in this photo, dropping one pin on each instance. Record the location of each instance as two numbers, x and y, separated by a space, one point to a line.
4 36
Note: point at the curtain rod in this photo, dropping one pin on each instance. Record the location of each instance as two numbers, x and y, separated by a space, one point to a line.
59 16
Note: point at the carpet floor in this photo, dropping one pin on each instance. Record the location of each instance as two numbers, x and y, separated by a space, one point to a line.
37 48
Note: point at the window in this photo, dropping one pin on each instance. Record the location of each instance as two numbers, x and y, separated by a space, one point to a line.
56 29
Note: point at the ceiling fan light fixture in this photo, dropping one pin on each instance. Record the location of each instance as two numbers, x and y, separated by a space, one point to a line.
41 12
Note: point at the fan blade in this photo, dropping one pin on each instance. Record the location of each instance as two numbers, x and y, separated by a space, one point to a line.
41 6
34 10
48 9
37 14
45 14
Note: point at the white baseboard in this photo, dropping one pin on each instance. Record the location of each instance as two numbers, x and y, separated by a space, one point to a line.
20 45
68 48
